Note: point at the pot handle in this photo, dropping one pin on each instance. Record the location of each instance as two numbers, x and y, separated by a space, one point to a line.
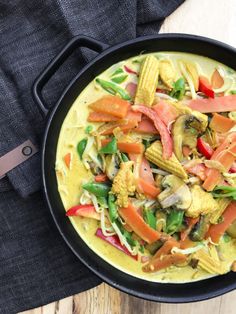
54 65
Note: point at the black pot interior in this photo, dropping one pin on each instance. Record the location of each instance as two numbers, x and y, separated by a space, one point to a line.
172 293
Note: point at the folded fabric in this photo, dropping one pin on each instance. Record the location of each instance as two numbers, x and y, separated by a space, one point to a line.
36 265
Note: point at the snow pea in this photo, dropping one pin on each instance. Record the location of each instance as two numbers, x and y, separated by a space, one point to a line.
81 147
98 189
174 221
110 148
113 88
113 214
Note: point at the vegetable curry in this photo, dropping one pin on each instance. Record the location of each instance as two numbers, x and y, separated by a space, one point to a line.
146 166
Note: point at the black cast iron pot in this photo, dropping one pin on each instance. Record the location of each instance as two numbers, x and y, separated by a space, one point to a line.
160 292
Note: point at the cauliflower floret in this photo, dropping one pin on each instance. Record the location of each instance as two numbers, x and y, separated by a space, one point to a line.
202 202
124 184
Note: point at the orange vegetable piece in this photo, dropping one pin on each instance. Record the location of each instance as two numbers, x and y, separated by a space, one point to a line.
67 160
217 80
217 104
123 127
166 112
146 126
186 243
166 248
113 105
147 188
146 172
136 148
101 177
138 225
164 262
225 155
101 117
221 124
216 231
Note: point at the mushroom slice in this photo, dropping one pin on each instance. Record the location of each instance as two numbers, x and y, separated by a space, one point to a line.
176 193
185 132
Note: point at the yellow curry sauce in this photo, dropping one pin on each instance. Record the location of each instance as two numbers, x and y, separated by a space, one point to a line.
70 180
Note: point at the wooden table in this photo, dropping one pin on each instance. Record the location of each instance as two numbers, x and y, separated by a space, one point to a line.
215 19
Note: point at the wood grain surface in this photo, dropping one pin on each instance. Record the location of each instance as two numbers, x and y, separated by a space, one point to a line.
211 18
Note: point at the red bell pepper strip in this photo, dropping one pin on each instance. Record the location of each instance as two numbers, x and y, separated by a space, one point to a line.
161 127
204 148
101 178
128 70
114 241
139 226
205 87
87 211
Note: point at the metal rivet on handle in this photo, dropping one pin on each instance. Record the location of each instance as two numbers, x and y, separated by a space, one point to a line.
27 150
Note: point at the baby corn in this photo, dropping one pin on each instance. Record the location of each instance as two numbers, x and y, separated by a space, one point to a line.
222 204
172 165
147 82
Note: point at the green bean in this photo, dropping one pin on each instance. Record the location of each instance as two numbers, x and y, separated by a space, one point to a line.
113 214
81 147
174 221
150 218
98 189
113 88
119 79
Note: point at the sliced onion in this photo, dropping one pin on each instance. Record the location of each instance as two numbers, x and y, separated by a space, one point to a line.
165 96
159 171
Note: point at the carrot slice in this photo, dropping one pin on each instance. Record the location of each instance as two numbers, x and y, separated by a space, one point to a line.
67 160
123 127
133 116
146 172
166 112
225 154
164 262
136 222
146 126
217 80
221 124
187 243
218 104
101 117
148 188
166 248
113 105
216 231
135 148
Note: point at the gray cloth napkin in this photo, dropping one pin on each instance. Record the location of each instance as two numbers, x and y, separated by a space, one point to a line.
36 266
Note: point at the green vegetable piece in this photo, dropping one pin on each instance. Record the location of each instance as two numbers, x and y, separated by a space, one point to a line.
178 89
117 71
200 229
98 189
174 221
119 79
81 147
113 214
126 234
110 148
150 218
141 249
88 129
124 157
113 88
233 92
226 238
102 201
221 191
